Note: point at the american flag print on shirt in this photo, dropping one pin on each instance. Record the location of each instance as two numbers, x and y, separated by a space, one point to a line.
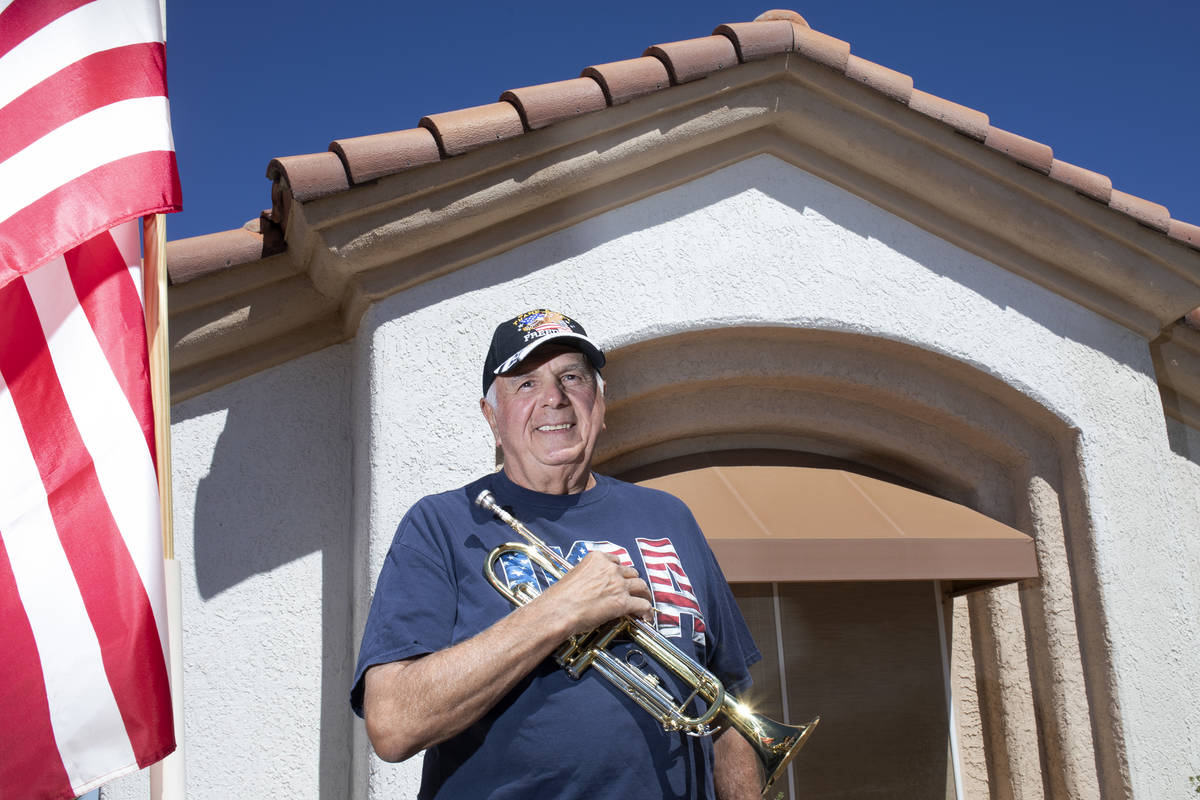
671 589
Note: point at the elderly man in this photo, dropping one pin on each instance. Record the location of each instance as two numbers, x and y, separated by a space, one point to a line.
449 667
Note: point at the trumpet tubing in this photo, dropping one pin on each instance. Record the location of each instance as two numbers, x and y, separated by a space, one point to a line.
775 743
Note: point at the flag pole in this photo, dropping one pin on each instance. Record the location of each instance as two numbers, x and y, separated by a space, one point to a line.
166 776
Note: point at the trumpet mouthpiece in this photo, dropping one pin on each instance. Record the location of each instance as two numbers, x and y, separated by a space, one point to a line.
485 500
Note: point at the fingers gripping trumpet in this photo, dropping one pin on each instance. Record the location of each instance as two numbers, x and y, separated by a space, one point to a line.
775 743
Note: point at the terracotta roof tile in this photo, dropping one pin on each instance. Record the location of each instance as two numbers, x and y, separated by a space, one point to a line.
191 258
548 103
1034 155
895 85
964 120
368 157
624 80
1093 184
455 132
1149 214
310 176
757 40
820 48
782 13
466 129
693 59
1184 232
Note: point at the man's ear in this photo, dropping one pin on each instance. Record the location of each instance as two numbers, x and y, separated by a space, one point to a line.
489 414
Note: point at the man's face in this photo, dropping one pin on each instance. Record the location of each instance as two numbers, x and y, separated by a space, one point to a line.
549 412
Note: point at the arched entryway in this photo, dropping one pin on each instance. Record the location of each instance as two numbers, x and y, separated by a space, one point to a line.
1026 699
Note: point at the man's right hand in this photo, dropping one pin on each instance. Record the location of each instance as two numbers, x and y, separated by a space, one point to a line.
598 589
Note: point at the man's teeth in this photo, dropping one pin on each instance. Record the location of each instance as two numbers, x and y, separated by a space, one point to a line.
561 427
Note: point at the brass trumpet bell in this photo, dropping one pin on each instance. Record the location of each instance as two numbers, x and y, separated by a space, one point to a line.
775 743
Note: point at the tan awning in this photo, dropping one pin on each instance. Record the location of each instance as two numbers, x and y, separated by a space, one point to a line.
797 523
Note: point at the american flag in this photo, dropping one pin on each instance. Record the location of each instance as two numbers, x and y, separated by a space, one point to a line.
85 149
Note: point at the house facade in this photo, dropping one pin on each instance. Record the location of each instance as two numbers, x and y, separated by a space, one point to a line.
933 394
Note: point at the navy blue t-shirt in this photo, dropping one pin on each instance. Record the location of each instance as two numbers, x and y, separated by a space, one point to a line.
553 736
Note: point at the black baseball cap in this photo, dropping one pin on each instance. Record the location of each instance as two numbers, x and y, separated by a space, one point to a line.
515 339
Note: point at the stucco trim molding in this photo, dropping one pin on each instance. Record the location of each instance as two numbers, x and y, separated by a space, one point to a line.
1177 365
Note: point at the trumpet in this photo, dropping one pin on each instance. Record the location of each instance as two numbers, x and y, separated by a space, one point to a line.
775 743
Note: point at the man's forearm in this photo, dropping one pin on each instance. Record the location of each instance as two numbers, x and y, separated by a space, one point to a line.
411 705
737 774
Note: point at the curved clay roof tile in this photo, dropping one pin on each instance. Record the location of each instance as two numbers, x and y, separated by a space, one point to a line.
693 59
1151 215
310 176
368 157
624 80
1092 184
758 40
895 85
548 103
468 128
964 120
1185 232
1034 155
821 48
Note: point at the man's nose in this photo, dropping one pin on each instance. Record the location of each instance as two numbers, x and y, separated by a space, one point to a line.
553 394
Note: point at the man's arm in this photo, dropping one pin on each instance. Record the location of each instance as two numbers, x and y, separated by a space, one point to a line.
737 774
413 704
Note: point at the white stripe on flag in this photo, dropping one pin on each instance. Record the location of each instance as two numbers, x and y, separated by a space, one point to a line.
97 138
107 425
89 29
87 724
128 238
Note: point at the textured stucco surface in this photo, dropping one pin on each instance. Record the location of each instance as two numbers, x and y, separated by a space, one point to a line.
289 484
762 243
262 511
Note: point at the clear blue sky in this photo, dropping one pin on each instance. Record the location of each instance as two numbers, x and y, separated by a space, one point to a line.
1110 86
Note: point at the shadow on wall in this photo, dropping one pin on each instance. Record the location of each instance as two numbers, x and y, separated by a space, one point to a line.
278 489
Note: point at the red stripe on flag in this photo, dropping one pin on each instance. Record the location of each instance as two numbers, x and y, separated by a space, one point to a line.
26 737
112 305
674 599
122 73
112 591
146 183
24 18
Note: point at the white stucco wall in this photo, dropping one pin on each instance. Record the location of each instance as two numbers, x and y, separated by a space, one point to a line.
762 242
261 472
